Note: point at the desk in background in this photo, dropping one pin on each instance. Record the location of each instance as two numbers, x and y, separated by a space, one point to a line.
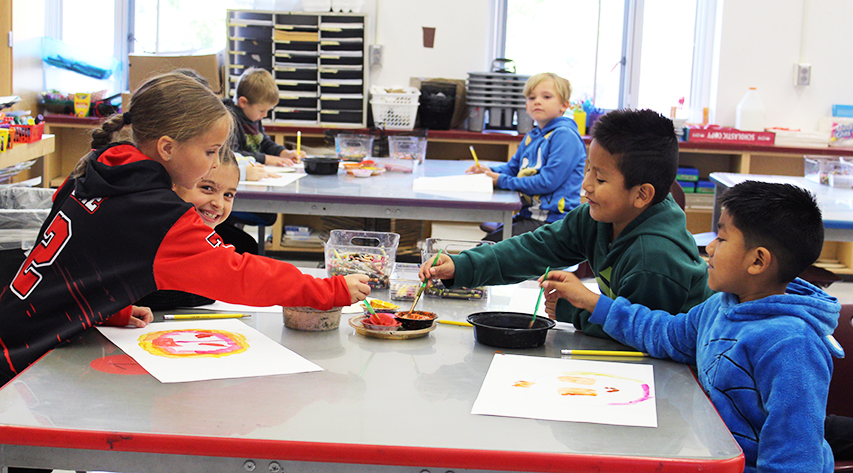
836 204
388 195
379 406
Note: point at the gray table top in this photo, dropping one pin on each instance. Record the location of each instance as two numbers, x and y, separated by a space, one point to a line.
392 402
389 187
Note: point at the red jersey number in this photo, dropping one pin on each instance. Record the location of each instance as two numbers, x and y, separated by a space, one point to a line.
43 254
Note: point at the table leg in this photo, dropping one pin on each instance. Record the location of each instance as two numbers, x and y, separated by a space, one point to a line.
507 231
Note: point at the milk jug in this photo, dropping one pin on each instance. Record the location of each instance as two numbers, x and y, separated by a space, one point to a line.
749 115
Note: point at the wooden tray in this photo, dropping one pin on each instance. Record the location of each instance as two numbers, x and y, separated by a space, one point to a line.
355 322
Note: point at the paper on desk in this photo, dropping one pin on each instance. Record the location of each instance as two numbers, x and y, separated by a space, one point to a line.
284 180
225 307
563 389
523 299
463 183
196 350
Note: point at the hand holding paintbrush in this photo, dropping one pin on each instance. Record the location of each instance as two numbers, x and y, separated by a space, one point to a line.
423 285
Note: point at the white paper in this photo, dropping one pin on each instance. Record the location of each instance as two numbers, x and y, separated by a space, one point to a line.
225 307
201 351
569 390
463 183
284 180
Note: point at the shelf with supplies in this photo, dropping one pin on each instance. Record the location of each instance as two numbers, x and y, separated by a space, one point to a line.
318 60
21 152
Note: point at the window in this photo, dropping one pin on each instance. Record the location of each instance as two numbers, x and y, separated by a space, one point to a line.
616 53
181 25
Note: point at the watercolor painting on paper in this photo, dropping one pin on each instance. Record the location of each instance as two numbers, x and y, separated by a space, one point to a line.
196 350
568 390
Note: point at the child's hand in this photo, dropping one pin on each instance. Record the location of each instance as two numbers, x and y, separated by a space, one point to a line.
278 161
565 285
494 176
140 316
258 172
293 155
477 169
443 269
358 288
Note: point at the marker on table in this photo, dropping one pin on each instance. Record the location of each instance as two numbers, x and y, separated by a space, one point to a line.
203 316
454 322
603 353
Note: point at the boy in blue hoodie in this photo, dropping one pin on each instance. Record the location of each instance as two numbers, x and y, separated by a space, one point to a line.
762 345
547 169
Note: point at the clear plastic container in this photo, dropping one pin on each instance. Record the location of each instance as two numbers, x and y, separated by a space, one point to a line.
829 171
22 211
360 252
451 247
352 147
407 148
404 282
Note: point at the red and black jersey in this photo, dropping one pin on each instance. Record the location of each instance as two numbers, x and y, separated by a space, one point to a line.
118 233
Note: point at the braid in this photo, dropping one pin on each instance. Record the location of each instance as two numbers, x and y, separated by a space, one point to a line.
104 135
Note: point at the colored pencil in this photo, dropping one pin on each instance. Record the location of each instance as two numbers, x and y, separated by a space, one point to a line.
203 316
454 322
474 154
603 353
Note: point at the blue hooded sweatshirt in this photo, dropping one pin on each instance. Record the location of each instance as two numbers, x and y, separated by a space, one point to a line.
547 170
765 364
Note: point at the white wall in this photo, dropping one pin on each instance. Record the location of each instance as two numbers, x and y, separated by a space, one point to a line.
760 42
758 45
462 39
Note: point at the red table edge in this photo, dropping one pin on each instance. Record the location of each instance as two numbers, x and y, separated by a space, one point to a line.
352 453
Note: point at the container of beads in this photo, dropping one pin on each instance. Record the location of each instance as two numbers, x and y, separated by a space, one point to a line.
404 282
451 247
360 252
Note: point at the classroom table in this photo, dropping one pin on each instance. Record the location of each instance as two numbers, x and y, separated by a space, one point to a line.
389 195
836 204
378 406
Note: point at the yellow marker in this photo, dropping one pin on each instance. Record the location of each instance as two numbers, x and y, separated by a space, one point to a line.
453 322
474 154
298 143
203 316
603 353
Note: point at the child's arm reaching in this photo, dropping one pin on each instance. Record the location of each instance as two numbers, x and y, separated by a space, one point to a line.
565 285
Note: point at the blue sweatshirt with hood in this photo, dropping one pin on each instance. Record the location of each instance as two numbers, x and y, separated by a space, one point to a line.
765 364
547 170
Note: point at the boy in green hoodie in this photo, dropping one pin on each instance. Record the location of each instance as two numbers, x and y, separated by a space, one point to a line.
631 231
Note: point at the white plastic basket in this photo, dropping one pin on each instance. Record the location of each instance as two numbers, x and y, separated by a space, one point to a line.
409 96
395 110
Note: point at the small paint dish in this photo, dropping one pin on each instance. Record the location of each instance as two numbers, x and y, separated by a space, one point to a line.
416 320
359 172
311 320
380 328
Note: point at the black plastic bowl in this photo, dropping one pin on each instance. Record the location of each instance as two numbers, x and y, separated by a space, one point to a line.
510 329
321 166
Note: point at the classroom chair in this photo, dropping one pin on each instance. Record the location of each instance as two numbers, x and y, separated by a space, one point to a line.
841 386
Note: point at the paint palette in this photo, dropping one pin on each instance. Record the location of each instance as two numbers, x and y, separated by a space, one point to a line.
355 322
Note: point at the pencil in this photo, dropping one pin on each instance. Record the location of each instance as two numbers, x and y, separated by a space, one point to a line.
474 154
454 322
298 142
603 353
203 316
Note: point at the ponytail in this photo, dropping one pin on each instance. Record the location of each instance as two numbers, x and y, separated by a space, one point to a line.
104 135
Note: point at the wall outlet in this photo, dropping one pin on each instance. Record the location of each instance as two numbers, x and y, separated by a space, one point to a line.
375 54
802 74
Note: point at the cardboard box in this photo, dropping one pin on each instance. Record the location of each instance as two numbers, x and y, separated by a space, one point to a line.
731 135
208 65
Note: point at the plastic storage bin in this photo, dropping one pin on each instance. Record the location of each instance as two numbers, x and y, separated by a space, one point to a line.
395 110
405 282
451 247
352 147
360 252
829 171
22 212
